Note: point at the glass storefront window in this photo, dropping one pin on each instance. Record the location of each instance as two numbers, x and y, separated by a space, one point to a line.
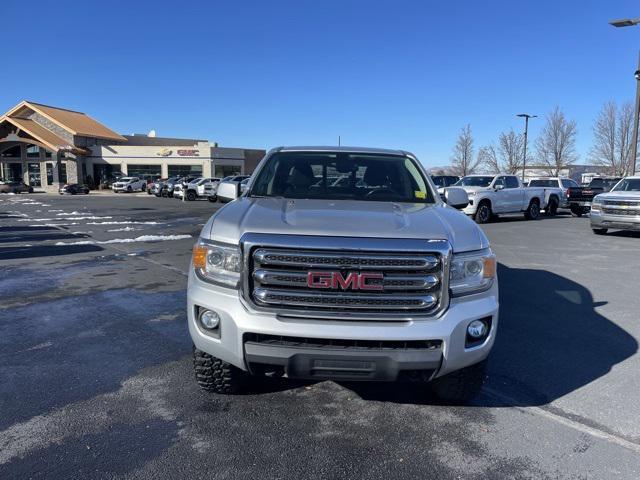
144 170
47 153
62 174
222 171
34 174
13 152
184 170
33 151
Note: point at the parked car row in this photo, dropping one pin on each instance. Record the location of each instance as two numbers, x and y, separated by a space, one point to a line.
193 188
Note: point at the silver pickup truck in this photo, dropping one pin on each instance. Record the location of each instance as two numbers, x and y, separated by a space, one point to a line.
617 209
490 195
343 263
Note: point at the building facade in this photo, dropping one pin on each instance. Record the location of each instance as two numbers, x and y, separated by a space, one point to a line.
46 147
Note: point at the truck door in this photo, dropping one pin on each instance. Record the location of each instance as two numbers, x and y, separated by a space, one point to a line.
515 193
501 195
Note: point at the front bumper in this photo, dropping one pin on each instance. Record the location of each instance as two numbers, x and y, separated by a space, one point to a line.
620 222
238 324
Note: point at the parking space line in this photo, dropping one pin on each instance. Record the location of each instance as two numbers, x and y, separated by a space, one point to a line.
566 421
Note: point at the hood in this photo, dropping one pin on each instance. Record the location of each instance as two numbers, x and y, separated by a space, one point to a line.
344 218
474 189
619 196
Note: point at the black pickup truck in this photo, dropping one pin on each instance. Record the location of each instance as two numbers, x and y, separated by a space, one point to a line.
580 198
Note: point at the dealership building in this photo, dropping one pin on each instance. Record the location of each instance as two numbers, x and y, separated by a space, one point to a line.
48 146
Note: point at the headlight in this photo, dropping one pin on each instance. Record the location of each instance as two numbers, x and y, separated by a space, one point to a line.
596 203
217 263
472 272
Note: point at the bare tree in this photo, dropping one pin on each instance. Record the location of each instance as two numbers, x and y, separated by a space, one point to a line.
612 132
488 158
462 160
511 149
624 138
556 145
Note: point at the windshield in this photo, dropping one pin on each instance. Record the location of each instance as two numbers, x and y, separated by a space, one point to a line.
604 182
126 179
474 181
543 183
342 176
628 185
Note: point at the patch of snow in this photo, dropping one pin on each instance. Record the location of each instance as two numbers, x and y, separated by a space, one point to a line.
125 229
126 222
54 224
91 217
37 219
72 213
142 238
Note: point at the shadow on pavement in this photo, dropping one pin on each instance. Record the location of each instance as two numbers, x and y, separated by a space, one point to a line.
26 228
12 253
551 341
39 237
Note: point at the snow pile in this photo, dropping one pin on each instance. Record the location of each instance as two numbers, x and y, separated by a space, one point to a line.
125 229
142 238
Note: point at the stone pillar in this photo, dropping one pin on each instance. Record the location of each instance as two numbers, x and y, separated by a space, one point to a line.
73 174
25 166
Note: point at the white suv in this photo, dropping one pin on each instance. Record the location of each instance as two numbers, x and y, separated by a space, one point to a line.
129 184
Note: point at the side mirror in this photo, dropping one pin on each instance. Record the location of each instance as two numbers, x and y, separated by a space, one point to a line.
498 187
456 197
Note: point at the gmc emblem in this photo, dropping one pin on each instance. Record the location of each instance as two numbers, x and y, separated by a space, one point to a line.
335 280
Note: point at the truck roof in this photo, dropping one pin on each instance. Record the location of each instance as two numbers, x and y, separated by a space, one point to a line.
384 151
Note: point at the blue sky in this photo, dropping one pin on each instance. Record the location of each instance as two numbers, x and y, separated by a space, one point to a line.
395 74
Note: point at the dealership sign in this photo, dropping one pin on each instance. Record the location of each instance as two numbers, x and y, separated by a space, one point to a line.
188 153
165 152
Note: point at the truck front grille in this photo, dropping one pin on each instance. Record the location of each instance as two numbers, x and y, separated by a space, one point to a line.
346 281
621 210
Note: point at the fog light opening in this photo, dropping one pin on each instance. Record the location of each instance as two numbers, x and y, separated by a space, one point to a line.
209 319
477 329
477 332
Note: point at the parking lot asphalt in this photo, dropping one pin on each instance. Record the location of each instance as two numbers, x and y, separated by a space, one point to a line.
96 378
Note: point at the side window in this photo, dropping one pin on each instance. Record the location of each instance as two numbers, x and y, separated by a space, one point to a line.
512 182
499 182
566 183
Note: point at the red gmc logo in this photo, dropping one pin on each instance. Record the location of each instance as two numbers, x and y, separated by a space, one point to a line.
335 280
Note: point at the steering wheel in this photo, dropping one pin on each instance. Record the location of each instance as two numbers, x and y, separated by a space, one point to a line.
377 191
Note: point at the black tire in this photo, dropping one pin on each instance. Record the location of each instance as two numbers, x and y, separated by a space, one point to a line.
533 211
129 189
212 199
483 213
191 195
461 386
215 375
600 231
30 190
552 207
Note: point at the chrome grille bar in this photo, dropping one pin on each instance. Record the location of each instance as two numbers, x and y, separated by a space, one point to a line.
391 281
345 260
342 300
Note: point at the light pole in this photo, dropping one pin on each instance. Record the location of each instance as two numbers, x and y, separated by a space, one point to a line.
630 22
526 117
